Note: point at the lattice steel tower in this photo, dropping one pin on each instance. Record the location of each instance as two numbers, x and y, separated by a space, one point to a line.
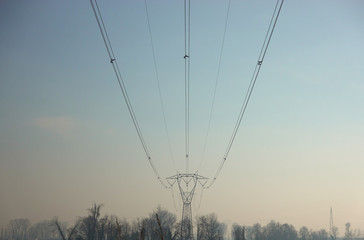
332 235
187 185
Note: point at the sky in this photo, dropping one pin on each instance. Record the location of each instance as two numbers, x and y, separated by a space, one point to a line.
67 140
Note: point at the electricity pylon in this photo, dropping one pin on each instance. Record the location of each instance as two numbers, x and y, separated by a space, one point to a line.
187 183
331 225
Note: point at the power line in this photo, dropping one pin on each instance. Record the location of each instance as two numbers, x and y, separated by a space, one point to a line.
251 85
187 28
216 81
159 87
114 63
199 204
174 201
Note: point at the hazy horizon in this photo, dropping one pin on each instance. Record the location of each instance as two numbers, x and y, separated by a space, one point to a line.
229 224
67 139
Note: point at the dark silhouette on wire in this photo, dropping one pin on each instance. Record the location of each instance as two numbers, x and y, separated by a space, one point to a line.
187 25
114 63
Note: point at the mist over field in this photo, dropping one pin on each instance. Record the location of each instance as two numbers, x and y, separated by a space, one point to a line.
241 119
162 224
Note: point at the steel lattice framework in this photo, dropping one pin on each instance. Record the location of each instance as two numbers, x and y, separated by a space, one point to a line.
332 225
187 183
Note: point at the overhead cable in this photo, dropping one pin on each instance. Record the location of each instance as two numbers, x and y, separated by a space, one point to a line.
187 28
114 63
159 87
254 77
216 81
199 204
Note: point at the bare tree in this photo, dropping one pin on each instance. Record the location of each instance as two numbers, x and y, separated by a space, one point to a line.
142 232
348 231
238 232
4 234
323 235
19 228
137 229
334 232
319 235
160 227
166 223
153 229
109 227
62 229
256 232
182 229
276 231
288 232
124 229
44 230
304 233
209 228
89 225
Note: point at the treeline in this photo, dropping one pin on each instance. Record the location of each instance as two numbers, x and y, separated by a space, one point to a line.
93 227
159 225
277 231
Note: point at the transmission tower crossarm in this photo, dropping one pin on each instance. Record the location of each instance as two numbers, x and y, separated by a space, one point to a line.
187 183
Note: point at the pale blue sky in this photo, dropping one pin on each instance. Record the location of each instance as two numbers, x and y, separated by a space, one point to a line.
67 139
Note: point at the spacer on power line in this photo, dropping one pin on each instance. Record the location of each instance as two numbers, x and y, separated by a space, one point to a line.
112 60
186 56
260 62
